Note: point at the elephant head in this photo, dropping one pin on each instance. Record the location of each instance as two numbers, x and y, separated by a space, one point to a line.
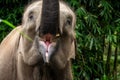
50 25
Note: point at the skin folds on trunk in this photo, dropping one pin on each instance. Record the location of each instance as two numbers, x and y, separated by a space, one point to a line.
50 17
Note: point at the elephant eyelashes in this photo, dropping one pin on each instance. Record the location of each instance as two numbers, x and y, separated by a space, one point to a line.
69 21
30 15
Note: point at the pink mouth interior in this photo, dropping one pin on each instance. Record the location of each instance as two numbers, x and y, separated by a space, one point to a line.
47 43
47 40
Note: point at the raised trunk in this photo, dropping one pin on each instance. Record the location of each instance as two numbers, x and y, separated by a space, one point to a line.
50 17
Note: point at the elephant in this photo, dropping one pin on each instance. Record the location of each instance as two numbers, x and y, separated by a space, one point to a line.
41 48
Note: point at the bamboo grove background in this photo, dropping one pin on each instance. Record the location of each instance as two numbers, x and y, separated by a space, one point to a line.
97 33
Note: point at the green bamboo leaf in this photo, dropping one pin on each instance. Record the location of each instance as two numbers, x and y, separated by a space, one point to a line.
0 20
81 12
114 39
91 43
8 23
12 26
104 77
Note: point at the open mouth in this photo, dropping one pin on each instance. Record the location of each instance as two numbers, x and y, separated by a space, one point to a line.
47 46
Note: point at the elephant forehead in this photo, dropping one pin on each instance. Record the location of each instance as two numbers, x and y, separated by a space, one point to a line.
37 6
34 7
66 11
65 8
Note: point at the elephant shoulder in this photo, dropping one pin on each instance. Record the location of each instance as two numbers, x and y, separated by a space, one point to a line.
10 42
8 50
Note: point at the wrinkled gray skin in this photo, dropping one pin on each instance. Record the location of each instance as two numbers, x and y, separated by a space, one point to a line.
23 59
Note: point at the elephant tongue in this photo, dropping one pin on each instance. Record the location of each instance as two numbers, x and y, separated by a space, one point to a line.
47 43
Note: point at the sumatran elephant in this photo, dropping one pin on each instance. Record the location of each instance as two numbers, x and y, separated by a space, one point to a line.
42 47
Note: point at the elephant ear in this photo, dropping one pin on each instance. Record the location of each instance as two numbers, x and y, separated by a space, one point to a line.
73 50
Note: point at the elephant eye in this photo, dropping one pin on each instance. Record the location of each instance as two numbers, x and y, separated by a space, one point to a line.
30 15
69 21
